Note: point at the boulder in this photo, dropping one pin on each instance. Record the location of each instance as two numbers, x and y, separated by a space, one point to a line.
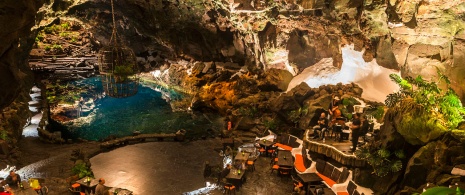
275 80
419 165
416 126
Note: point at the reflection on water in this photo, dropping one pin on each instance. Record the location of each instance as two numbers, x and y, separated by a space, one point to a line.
149 111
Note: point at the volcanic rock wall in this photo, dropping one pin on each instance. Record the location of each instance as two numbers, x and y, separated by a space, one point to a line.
16 20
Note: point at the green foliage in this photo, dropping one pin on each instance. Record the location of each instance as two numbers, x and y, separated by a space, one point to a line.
442 190
73 39
62 93
57 47
123 70
445 105
40 37
3 134
82 170
378 113
51 29
65 26
295 115
250 111
47 48
64 34
382 160
270 124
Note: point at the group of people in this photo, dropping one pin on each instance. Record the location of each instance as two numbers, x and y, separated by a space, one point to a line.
359 125
14 180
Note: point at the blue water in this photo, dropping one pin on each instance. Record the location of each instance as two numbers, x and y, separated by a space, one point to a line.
146 112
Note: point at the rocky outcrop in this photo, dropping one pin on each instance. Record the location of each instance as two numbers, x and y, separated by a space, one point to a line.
17 19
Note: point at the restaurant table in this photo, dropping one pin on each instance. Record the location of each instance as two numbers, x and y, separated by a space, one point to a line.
265 143
119 191
285 158
236 178
309 179
242 156
88 186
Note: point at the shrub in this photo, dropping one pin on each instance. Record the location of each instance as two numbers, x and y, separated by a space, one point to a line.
382 160
82 170
445 105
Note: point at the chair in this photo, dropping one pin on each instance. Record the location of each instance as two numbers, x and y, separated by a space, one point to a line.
337 131
297 184
262 150
284 171
351 187
76 192
271 151
252 163
274 167
229 188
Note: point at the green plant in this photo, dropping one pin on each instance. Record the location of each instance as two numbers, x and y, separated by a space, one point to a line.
444 105
295 115
40 37
57 47
382 160
65 26
3 135
64 34
82 170
270 124
73 39
47 48
442 190
51 29
123 70
378 113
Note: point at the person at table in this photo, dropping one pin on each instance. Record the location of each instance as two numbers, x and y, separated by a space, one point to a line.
13 179
355 127
4 191
321 127
226 171
101 189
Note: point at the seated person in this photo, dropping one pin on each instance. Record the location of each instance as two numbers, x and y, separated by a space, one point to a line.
322 126
13 179
4 191
226 171
101 189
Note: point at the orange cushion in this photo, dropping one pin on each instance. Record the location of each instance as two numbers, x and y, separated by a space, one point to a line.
230 187
261 150
342 193
299 185
275 159
249 162
76 185
275 167
299 163
328 181
82 193
285 147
